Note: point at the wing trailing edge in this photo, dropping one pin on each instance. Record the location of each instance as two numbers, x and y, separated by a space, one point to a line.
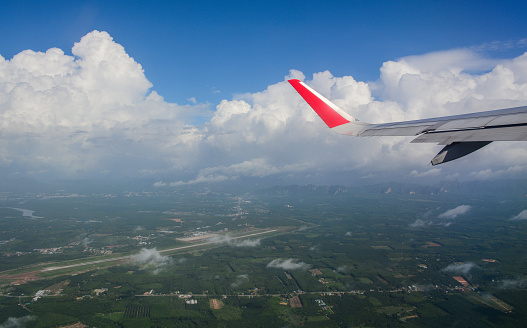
462 134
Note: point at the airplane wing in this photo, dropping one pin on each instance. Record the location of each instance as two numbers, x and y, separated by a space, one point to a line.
462 134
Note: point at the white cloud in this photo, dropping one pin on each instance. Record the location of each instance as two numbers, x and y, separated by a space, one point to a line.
521 216
501 45
455 212
455 60
420 223
249 243
240 280
289 264
211 178
227 239
431 172
87 113
220 239
21 322
151 259
86 241
518 283
487 174
277 131
462 268
95 113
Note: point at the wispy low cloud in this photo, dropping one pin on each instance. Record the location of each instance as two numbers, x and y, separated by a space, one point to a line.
428 173
248 243
455 212
18 322
420 223
151 259
181 260
227 239
240 280
487 174
521 216
519 283
86 241
428 223
210 178
220 239
289 264
461 268
501 45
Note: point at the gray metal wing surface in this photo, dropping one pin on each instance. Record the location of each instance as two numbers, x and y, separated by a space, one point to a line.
461 134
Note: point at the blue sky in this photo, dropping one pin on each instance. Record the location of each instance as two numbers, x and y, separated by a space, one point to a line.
193 92
211 50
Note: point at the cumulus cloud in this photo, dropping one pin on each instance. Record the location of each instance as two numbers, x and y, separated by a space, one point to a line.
289 264
455 212
461 268
151 259
280 135
95 113
521 216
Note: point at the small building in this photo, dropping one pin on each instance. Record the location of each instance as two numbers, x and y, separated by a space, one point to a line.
461 280
100 291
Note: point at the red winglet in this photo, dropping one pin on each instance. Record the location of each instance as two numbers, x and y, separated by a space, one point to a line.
319 104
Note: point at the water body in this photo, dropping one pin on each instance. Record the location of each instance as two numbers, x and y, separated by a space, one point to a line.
27 213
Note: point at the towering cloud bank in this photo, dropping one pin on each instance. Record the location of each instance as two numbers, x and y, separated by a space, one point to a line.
86 114
95 114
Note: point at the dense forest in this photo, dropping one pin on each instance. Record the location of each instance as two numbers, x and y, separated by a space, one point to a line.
384 255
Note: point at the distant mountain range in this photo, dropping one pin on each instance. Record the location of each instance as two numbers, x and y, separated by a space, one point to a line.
472 187
27 185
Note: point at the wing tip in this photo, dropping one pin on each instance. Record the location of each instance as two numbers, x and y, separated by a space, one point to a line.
293 82
328 112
